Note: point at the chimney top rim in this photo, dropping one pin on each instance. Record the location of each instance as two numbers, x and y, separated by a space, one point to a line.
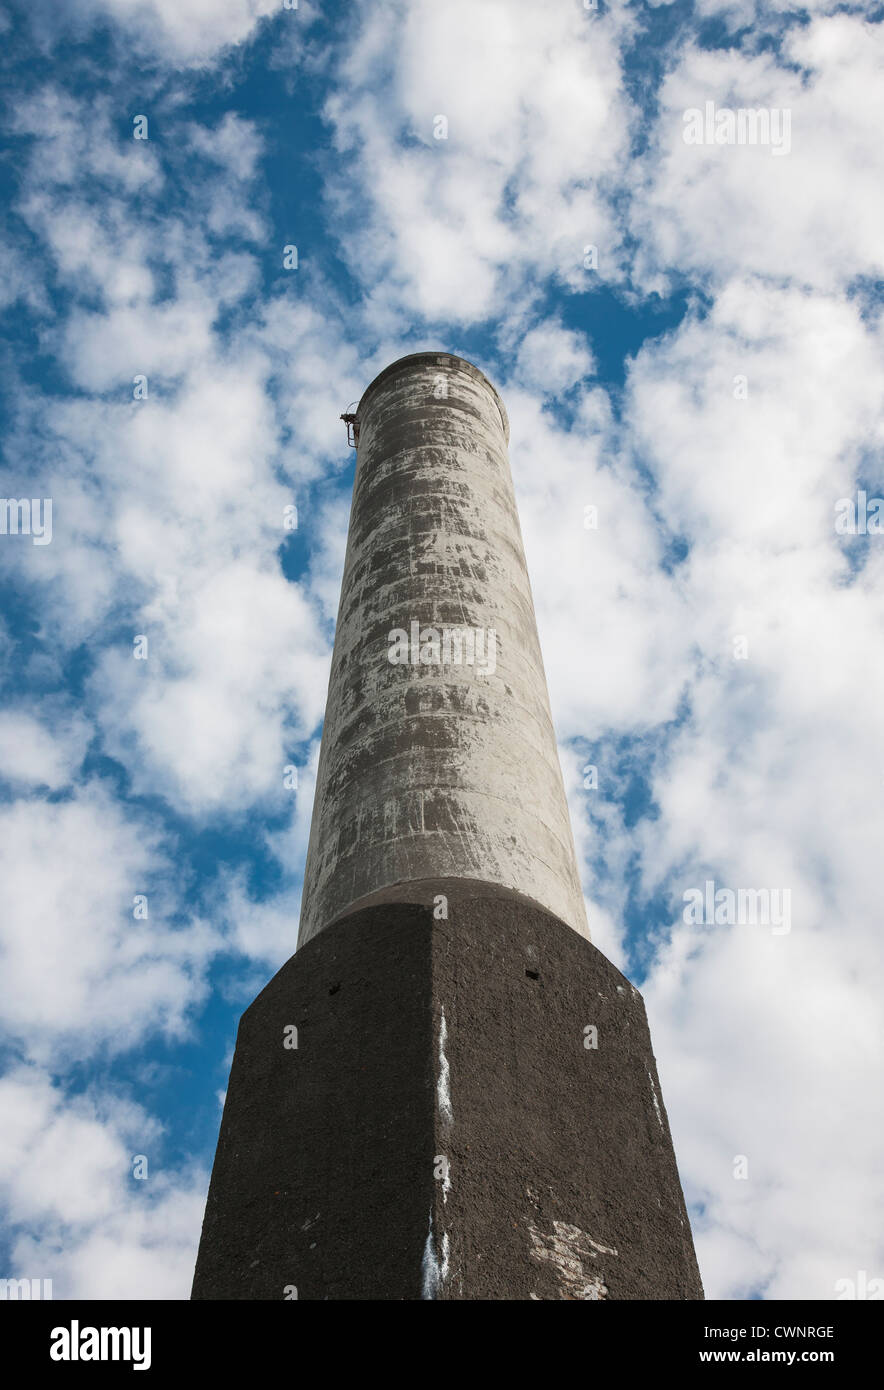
436 358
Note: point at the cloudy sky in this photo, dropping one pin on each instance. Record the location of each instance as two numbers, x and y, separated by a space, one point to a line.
688 338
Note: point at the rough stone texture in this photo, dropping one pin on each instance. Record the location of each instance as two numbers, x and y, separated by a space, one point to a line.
436 770
561 1178
321 1178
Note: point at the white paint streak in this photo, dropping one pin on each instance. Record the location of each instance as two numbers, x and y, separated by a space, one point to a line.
566 1251
654 1097
433 1271
443 1092
602 1249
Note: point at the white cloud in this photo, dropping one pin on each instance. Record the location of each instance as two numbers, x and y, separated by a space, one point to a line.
32 756
75 1214
77 142
764 15
179 33
80 970
733 210
234 145
170 510
188 31
611 623
449 227
769 1049
235 677
552 359
774 780
263 931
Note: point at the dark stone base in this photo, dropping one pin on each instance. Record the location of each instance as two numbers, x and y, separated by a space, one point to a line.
330 1169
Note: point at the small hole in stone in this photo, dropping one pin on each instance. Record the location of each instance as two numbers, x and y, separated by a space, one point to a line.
533 974
334 989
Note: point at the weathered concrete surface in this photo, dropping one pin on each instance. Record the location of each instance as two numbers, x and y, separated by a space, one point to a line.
321 1179
434 769
442 1130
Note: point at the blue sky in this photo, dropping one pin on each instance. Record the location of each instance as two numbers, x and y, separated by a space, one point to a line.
163 258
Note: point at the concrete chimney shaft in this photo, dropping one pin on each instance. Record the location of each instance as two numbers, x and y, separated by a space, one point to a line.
440 763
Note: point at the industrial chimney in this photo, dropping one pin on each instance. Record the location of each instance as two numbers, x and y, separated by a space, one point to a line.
447 1092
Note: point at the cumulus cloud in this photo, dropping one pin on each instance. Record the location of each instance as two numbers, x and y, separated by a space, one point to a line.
663 519
720 211
236 678
82 970
181 33
176 472
76 1215
769 783
611 621
33 756
477 144
552 359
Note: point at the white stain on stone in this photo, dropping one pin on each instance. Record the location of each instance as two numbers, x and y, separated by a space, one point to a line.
655 1100
443 1092
599 1249
566 1250
434 1271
